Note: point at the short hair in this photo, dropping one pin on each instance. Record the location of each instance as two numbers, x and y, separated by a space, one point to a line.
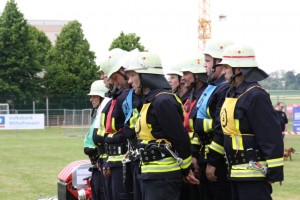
278 103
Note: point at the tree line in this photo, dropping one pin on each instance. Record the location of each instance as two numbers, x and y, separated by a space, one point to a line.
282 80
32 68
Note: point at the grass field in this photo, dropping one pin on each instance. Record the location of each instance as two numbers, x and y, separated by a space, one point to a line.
30 161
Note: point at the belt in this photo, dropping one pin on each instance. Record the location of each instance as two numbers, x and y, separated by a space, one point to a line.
115 149
242 157
153 153
206 138
94 158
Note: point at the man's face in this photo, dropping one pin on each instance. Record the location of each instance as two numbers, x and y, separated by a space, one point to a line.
227 72
117 79
188 79
280 107
208 65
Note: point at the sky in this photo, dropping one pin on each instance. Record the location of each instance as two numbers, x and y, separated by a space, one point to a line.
170 27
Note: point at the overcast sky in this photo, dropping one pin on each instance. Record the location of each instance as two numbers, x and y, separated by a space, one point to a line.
169 27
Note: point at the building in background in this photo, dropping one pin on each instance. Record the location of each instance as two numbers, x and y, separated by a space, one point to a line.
51 28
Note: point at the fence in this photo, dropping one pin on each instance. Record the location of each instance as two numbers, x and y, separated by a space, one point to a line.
61 117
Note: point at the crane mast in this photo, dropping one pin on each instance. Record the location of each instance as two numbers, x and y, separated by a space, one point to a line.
204 24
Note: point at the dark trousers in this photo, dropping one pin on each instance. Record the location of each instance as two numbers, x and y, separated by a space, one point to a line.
107 187
137 190
218 190
249 190
189 191
164 189
117 189
97 184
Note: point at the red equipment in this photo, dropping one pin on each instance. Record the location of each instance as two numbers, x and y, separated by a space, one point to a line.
73 181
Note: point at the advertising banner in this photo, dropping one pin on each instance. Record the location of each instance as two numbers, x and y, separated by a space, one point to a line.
22 121
296 119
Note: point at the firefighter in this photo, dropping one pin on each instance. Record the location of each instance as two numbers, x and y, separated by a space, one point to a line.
115 142
194 78
176 83
131 162
163 142
208 108
252 139
98 100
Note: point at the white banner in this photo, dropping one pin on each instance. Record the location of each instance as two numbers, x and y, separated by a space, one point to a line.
22 121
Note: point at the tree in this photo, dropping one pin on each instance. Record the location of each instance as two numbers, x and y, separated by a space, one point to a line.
127 42
22 54
71 67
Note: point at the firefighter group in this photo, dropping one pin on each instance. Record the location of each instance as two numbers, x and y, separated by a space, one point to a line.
206 132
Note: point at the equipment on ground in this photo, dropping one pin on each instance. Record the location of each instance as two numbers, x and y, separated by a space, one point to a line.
74 181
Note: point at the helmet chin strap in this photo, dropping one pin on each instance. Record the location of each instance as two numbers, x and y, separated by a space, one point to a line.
140 87
192 91
123 75
212 72
232 81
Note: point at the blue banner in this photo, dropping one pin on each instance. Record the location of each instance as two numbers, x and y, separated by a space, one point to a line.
296 119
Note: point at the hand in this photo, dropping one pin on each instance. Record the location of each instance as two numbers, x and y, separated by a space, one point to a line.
106 172
190 178
210 173
98 166
196 167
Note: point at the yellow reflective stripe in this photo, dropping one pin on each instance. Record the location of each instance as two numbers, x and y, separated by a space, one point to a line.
115 158
245 165
191 135
144 141
113 124
237 126
216 147
186 163
101 132
207 125
208 113
206 151
246 173
103 156
134 118
165 161
237 142
101 129
164 165
275 162
195 141
191 124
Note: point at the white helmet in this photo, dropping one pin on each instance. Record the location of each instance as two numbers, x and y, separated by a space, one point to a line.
111 58
239 56
176 69
195 65
215 48
144 62
98 89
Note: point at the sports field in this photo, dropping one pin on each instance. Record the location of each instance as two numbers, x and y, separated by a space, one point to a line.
30 161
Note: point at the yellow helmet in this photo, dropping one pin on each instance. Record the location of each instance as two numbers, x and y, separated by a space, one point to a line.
239 56
215 48
194 65
98 89
144 62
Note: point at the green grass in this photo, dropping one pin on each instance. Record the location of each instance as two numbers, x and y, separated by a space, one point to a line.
30 161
